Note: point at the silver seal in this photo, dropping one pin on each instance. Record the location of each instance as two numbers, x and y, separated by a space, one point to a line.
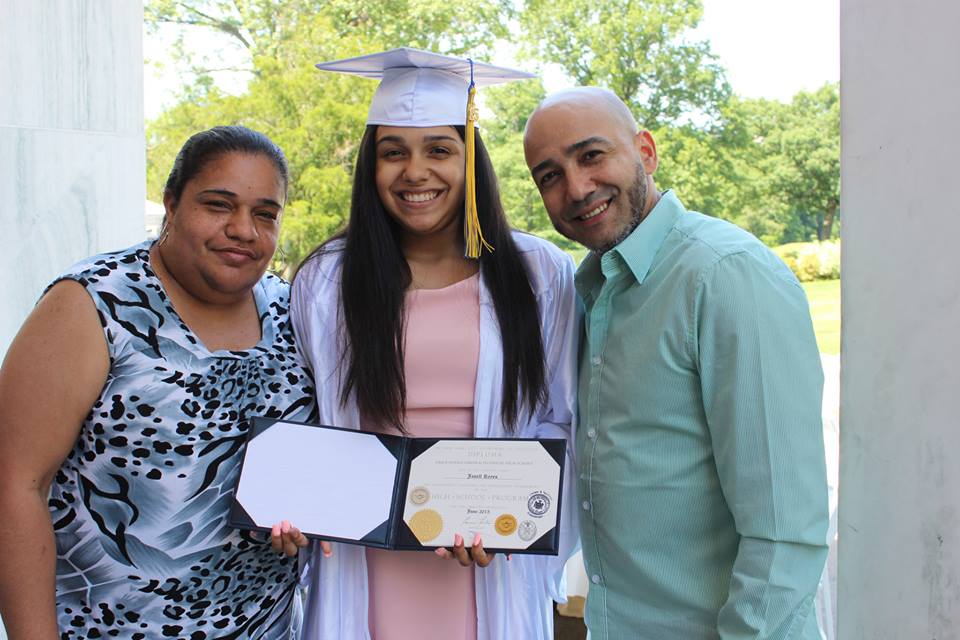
527 530
419 495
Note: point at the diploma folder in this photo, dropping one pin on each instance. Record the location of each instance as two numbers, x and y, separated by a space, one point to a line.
396 492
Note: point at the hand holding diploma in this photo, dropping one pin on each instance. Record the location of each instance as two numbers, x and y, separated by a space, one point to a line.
288 540
476 555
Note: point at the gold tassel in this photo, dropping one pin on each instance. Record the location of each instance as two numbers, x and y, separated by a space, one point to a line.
471 220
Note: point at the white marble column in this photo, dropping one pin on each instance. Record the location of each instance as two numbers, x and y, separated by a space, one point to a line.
899 519
72 154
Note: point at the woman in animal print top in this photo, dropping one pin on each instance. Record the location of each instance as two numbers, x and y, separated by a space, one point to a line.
125 399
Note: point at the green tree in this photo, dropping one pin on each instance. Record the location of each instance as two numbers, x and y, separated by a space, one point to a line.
809 145
274 27
700 168
317 118
510 105
787 159
770 167
639 49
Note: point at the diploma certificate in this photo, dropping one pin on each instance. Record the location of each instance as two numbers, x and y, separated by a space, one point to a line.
505 490
401 493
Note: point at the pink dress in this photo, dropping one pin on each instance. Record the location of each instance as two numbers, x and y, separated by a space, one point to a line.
416 594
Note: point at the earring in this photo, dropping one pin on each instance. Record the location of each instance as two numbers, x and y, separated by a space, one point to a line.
164 232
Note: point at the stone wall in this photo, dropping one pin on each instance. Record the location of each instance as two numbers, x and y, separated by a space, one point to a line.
899 520
72 154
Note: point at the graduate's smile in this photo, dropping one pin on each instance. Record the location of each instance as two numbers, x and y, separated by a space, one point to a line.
421 198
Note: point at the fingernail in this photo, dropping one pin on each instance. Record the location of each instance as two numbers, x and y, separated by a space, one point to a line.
509 556
275 530
457 540
327 554
476 540
439 551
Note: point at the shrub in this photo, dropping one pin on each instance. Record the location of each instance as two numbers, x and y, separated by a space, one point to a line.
811 260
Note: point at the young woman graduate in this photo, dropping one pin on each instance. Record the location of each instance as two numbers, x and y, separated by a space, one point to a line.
429 316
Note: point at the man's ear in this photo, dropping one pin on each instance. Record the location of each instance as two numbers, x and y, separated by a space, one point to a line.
647 147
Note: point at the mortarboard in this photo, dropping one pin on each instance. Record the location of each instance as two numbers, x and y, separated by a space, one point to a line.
425 89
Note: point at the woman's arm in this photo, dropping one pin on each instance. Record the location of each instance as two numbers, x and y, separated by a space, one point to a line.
52 374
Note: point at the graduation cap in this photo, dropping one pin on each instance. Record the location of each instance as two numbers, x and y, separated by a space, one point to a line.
426 89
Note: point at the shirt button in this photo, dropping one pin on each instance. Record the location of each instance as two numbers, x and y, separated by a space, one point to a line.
595 579
586 506
596 361
591 433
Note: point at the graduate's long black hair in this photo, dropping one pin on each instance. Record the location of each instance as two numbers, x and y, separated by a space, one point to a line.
375 277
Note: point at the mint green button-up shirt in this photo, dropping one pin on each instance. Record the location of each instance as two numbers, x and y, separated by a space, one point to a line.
700 456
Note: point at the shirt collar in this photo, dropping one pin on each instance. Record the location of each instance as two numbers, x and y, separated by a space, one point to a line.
636 251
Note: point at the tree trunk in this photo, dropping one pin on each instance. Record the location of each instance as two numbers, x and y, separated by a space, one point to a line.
828 222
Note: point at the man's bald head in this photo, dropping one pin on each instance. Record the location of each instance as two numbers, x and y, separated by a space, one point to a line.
594 100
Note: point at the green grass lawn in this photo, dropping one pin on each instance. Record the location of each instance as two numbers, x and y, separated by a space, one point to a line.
824 297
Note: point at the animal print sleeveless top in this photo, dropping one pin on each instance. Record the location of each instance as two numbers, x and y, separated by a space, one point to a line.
139 506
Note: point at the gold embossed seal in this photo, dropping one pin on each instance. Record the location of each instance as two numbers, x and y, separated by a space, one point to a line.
505 524
426 524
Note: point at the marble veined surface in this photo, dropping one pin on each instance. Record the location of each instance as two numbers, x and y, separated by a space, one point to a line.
70 198
72 64
72 152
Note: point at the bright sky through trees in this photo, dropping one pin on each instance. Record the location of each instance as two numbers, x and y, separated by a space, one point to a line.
769 48
774 48
745 109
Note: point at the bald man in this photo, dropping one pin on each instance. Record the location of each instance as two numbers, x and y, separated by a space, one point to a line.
700 459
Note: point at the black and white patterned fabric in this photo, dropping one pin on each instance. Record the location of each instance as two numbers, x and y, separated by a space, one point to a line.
140 505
